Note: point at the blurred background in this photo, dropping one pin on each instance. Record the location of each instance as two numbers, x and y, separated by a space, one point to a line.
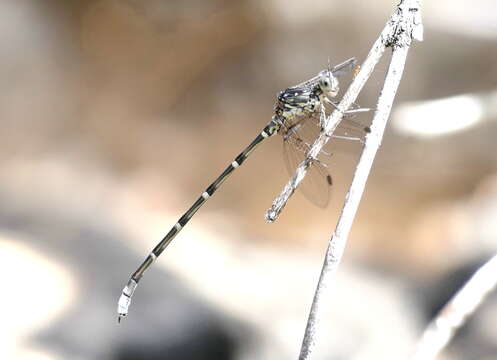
116 114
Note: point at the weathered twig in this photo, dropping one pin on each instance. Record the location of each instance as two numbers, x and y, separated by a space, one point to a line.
403 26
454 314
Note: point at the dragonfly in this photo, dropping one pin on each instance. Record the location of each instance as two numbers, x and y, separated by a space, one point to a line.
297 115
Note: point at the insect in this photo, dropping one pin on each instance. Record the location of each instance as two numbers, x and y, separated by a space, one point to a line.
297 110
301 108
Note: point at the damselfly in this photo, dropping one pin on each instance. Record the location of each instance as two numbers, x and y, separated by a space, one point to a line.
297 112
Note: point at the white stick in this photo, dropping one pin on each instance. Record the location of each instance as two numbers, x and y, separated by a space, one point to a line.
403 26
454 314
339 238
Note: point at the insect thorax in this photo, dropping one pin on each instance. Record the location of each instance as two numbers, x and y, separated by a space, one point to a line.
296 102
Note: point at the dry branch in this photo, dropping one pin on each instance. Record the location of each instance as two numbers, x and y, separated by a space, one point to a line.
402 27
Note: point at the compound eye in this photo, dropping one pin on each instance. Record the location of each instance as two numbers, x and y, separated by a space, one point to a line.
325 83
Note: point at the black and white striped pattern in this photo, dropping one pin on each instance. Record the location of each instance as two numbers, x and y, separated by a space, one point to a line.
125 299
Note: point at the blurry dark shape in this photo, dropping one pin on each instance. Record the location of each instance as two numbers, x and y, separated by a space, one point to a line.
204 342
477 337
445 287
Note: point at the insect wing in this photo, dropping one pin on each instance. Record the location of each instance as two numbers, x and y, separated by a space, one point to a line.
337 70
298 138
344 68
355 129
309 84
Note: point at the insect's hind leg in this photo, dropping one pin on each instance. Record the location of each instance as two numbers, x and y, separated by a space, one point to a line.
350 138
347 112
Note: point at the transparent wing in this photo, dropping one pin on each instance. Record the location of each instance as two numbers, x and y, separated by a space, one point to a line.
345 67
354 126
353 129
309 83
298 138
338 70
